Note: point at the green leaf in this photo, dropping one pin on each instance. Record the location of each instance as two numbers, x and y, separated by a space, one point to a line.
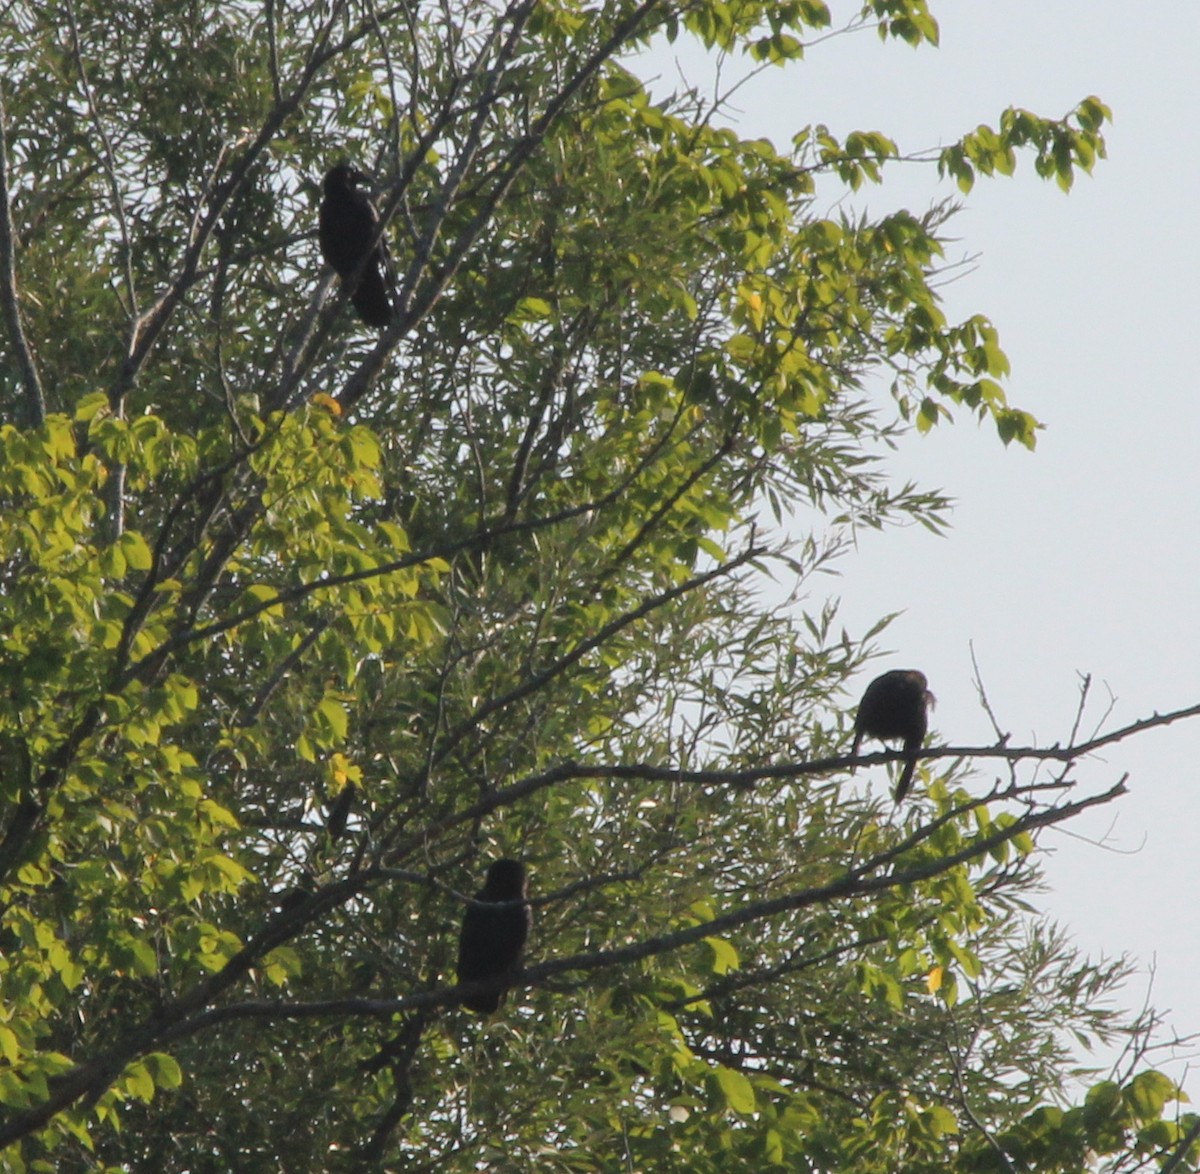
144 960
725 957
1148 1092
940 1121
89 406
135 551
530 310
334 716
137 1082
164 1069
9 1046
736 1091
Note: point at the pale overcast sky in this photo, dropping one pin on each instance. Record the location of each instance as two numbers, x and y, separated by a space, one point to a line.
1081 557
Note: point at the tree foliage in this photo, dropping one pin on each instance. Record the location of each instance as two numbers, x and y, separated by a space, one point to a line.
501 580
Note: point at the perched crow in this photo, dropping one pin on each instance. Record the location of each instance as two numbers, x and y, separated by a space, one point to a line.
492 940
894 707
339 812
348 224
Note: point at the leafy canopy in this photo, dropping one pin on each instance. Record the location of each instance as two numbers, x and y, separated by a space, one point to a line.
501 580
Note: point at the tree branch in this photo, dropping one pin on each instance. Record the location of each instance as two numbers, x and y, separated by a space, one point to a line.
414 309
193 1013
34 400
1181 1150
552 670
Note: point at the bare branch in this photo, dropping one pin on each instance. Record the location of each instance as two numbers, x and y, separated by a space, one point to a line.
791 770
107 159
249 715
194 1012
35 400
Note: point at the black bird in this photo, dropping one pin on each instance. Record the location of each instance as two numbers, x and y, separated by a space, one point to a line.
347 227
894 706
339 812
493 940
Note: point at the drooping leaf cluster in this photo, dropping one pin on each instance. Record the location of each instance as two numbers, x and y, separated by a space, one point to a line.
508 579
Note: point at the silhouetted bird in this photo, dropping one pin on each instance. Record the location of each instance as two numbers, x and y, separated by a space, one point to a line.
348 224
493 940
894 706
339 812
